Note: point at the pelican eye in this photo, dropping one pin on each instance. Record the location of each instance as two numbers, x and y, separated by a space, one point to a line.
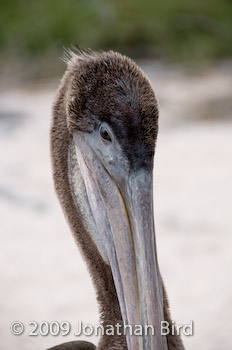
104 134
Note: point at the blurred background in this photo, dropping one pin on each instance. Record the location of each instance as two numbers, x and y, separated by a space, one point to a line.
33 33
185 49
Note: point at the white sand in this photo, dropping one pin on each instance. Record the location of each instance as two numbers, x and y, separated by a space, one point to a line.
43 276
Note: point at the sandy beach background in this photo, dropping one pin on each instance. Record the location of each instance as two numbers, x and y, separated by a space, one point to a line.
43 277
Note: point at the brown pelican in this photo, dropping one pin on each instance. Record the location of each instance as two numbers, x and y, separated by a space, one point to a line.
103 135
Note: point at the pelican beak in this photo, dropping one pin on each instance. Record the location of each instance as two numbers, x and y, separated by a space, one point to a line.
125 201
142 300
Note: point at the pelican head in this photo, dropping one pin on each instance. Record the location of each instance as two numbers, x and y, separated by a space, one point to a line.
103 136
